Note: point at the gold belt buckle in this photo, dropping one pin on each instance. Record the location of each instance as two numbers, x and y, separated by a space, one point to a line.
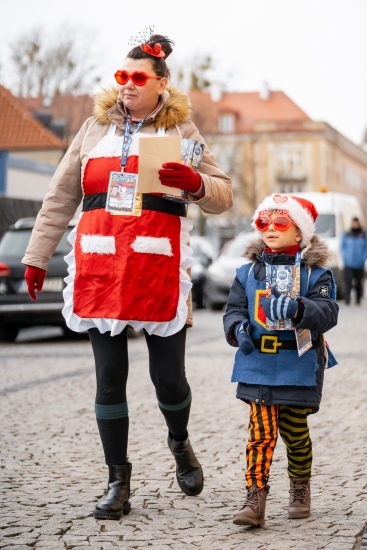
274 342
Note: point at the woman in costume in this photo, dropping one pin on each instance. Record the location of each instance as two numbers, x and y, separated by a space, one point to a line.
130 268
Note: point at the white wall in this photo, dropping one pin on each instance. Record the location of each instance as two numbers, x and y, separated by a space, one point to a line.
27 185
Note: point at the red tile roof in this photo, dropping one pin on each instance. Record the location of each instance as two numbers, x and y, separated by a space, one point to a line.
19 131
70 109
278 113
251 112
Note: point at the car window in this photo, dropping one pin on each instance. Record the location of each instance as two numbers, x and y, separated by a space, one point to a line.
236 247
325 225
196 248
14 243
202 247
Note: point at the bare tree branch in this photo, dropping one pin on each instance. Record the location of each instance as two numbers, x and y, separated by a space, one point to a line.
57 64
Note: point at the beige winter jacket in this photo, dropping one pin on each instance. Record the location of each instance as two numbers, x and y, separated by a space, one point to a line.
66 189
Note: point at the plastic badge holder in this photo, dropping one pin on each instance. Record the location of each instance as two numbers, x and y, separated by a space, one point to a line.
191 154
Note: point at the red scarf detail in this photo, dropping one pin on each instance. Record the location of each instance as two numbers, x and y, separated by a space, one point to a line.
290 250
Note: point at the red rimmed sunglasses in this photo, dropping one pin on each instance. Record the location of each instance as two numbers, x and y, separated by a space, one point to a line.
280 222
139 78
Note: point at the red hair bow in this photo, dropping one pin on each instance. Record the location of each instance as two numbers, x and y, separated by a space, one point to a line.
155 51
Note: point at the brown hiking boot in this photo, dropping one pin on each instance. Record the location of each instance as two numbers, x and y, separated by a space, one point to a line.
299 498
253 511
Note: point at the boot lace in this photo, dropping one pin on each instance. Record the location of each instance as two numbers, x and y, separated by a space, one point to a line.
299 491
252 498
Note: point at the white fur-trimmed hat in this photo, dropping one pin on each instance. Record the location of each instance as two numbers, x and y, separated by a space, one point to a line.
302 211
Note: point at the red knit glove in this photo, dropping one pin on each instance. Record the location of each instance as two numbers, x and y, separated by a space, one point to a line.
34 277
181 176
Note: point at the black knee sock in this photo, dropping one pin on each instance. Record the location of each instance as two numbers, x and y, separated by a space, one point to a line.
113 426
177 418
114 434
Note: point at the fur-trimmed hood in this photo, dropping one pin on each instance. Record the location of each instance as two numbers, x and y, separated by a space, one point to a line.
316 253
175 108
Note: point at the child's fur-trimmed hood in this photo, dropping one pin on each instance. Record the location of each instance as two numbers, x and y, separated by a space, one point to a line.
316 253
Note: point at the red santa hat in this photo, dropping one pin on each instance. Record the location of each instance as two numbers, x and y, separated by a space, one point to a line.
301 211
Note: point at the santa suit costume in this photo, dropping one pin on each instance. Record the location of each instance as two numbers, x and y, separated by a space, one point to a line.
126 269
114 261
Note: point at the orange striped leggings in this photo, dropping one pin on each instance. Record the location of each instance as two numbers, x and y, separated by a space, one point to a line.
265 422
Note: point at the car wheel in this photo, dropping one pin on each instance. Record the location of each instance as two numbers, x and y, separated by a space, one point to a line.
199 298
8 333
216 306
71 334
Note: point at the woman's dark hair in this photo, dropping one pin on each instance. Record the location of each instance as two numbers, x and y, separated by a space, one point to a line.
159 64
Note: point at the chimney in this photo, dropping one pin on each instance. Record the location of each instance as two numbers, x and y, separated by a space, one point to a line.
47 101
264 91
215 93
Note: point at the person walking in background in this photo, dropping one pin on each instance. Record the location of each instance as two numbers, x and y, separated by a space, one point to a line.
131 269
279 371
353 249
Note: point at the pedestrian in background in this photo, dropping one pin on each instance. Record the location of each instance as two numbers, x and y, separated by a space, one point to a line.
353 249
281 386
131 269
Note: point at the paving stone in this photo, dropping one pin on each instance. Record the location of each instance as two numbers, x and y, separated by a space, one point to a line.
53 468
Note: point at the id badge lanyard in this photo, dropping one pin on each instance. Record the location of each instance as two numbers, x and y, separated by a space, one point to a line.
126 200
128 137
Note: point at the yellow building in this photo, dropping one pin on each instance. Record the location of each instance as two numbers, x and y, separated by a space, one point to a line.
267 144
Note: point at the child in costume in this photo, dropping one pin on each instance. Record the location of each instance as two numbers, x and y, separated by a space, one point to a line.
279 306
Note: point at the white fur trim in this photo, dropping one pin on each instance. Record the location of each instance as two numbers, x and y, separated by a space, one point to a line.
98 244
298 214
152 245
111 144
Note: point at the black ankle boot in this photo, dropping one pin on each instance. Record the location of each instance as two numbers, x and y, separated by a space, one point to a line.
188 470
116 500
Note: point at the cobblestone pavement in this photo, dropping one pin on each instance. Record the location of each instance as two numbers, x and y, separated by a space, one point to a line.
52 468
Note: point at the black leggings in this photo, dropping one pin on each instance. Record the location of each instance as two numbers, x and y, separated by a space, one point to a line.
167 372
353 278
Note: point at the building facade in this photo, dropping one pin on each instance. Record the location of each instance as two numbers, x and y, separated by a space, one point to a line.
268 145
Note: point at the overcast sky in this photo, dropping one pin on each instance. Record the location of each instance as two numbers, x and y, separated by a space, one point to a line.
313 50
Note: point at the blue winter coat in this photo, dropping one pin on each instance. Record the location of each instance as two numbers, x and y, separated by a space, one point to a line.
353 249
267 375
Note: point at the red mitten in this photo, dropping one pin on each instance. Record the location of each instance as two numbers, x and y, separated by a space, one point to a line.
34 277
181 176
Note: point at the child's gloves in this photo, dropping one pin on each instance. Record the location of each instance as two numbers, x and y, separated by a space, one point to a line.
245 343
175 174
279 306
34 277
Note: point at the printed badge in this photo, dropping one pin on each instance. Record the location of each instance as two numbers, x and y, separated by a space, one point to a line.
121 193
286 279
303 339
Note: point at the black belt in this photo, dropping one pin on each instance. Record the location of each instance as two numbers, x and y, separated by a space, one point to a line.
272 344
269 343
150 202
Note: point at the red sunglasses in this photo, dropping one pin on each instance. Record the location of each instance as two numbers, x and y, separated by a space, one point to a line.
280 223
139 78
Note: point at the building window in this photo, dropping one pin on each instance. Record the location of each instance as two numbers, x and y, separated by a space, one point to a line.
226 123
290 164
289 188
353 179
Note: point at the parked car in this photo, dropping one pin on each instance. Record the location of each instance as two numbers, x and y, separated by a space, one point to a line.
17 309
222 271
203 255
